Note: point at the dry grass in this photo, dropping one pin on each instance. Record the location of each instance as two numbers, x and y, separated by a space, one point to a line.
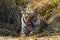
35 5
41 38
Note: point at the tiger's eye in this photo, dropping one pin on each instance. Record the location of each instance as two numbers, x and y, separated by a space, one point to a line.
26 17
34 20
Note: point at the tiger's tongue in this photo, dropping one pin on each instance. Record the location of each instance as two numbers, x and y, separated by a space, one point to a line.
29 27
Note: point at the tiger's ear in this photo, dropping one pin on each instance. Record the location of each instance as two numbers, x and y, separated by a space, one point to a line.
22 12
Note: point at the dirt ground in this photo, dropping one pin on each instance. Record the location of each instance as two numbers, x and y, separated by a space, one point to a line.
41 38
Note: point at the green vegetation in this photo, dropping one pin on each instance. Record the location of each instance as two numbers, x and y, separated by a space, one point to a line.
49 8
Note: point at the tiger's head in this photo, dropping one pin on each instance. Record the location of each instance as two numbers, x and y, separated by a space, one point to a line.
29 15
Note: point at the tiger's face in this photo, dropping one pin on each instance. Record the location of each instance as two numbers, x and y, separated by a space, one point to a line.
29 15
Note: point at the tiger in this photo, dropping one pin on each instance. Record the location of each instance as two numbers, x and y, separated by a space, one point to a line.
31 23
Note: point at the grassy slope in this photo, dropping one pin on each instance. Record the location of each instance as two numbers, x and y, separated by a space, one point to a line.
46 8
